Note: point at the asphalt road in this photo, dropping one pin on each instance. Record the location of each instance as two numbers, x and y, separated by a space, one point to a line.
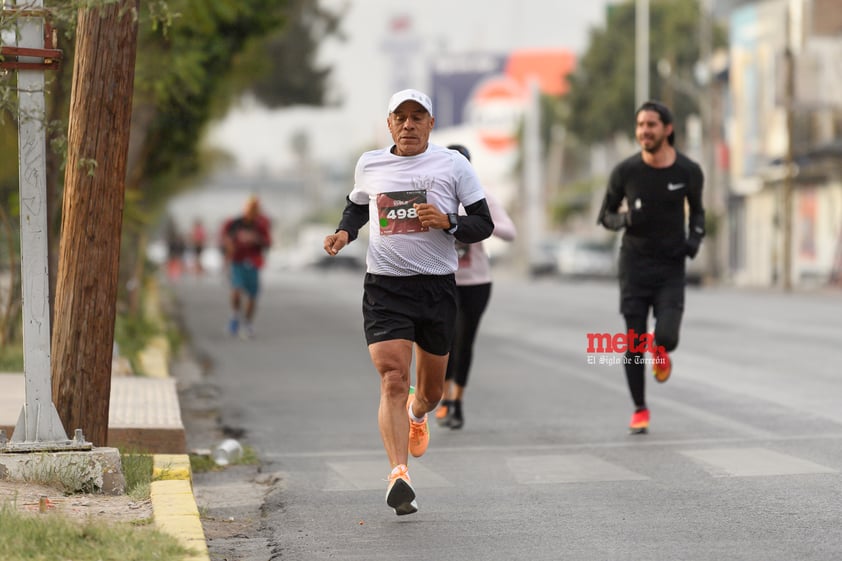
742 461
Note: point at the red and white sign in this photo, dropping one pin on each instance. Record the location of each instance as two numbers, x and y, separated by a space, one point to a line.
495 110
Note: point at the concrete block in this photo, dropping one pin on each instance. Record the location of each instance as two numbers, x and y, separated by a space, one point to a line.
77 471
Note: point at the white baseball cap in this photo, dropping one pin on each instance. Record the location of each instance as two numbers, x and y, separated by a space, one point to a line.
411 95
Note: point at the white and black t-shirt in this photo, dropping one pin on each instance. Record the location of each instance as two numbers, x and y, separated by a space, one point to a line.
390 185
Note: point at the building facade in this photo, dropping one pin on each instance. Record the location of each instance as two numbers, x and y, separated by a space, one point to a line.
783 127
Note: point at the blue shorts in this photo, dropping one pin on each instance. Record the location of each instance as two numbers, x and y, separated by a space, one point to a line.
244 277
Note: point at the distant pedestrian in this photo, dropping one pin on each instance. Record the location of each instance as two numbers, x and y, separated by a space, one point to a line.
413 190
655 185
198 239
176 247
245 239
473 291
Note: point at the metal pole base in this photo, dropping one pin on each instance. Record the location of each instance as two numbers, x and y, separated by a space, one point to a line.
41 431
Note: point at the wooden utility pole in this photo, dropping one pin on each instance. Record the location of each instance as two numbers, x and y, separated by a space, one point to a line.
92 215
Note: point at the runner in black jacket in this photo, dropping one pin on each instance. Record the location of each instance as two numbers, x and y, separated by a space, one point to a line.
647 195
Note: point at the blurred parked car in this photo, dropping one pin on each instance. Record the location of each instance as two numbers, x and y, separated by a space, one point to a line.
575 257
586 258
543 259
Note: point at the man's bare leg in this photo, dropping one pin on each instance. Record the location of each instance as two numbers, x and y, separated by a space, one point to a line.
430 372
235 301
251 303
392 359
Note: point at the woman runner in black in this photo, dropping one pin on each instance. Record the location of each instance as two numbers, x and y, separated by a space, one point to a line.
473 292
647 194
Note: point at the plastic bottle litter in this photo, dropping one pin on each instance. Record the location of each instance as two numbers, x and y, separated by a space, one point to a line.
228 451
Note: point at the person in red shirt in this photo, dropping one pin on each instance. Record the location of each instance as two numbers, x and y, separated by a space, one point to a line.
245 240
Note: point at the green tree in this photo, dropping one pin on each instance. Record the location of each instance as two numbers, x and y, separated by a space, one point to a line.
212 53
189 72
602 93
194 58
294 48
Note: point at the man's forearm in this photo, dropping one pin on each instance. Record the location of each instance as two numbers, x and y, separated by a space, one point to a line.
354 217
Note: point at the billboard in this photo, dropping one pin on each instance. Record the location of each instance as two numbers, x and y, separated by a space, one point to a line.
454 79
488 92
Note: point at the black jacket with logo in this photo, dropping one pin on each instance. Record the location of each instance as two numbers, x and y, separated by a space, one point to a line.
657 225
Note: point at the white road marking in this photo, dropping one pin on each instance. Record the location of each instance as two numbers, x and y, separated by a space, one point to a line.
751 462
686 410
370 474
571 468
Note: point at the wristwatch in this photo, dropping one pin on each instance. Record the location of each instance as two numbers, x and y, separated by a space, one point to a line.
454 222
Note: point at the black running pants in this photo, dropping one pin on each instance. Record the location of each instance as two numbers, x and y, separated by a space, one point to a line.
668 309
471 302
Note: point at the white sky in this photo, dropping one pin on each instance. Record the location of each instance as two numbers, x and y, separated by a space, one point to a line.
363 72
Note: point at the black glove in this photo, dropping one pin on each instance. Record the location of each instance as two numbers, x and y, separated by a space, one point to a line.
619 220
614 220
691 247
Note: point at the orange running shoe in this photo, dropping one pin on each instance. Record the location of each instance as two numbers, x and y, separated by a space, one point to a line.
442 410
400 495
639 422
419 434
661 365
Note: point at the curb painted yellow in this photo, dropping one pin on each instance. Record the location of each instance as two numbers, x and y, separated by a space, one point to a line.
174 506
171 466
154 358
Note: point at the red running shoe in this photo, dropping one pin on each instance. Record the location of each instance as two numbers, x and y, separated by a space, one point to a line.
661 365
639 422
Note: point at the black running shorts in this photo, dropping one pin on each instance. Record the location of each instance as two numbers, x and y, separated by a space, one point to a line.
419 308
646 283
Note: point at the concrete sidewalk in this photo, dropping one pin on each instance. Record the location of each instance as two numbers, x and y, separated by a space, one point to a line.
144 415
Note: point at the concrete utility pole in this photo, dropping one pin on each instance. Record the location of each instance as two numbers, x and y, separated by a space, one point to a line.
707 100
39 427
641 51
535 207
789 157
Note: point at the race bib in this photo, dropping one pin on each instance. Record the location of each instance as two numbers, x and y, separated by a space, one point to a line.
397 214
